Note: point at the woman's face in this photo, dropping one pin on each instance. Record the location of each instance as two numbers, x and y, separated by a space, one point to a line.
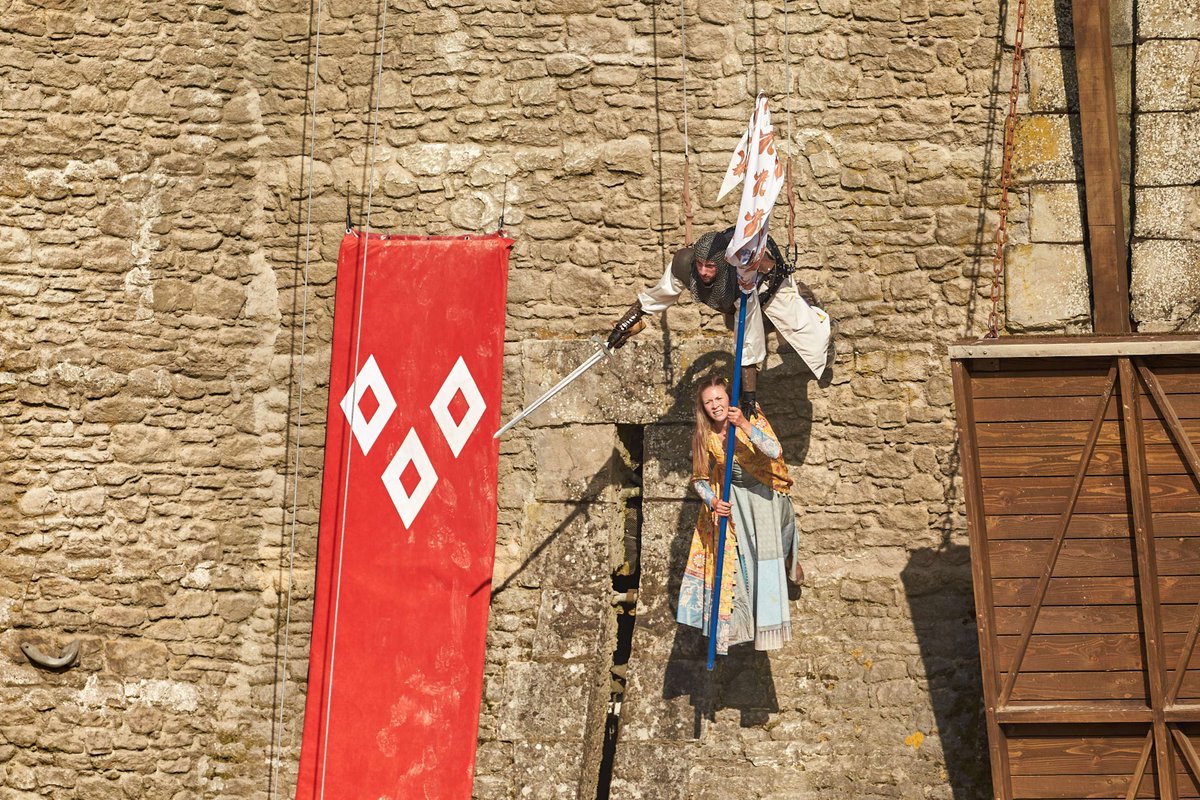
715 401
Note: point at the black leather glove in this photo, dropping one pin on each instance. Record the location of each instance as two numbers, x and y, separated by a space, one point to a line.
748 389
747 404
629 324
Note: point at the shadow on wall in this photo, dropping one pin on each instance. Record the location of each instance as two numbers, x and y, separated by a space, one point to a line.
937 582
742 679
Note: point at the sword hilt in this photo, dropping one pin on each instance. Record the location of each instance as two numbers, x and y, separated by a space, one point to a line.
601 346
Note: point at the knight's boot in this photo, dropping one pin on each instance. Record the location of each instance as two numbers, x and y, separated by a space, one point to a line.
629 324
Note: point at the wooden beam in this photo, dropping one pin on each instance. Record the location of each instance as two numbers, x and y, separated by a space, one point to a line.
1101 166
981 579
1077 346
1135 781
1147 569
1175 426
1064 713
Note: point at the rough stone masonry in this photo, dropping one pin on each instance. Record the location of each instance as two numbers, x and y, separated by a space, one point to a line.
154 239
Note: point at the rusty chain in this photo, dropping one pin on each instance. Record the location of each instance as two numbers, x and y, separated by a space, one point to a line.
1010 126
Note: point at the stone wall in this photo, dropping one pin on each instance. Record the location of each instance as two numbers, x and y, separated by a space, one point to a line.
1158 96
154 240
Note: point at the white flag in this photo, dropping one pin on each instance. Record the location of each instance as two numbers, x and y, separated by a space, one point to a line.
754 163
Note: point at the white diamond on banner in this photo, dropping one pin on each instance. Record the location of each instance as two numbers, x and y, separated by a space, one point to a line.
366 431
411 452
459 380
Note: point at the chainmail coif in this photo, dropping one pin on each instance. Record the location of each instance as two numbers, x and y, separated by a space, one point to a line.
722 292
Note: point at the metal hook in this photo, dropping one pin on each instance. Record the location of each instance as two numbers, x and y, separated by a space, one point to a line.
69 657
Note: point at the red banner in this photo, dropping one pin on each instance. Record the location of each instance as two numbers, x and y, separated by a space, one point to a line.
408 519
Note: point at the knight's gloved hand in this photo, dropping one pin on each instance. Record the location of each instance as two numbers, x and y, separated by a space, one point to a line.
629 324
747 404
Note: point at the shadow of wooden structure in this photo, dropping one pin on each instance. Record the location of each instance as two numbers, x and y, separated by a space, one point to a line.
1081 466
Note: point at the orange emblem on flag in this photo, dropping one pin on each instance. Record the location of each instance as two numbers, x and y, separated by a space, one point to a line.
754 222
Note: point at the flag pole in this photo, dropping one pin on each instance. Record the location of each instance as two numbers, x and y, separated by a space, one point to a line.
730 435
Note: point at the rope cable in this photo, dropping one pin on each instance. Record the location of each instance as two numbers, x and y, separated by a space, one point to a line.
362 279
792 248
687 171
277 743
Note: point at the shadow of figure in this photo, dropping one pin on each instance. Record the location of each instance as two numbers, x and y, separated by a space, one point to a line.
742 679
937 582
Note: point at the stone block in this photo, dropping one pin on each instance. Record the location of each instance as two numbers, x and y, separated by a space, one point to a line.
567 545
39 501
16 247
1044 149
633 155
1046 286
1055 213
1167 154
548 770
1166 282
1166 76
1053 87
137 443
1168 212
653 770
546 701
572 624
576 462
1168 19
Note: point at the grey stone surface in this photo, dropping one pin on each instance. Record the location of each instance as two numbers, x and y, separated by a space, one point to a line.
1047 286
154 193
1056 213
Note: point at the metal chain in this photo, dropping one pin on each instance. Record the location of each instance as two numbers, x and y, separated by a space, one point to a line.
1010 125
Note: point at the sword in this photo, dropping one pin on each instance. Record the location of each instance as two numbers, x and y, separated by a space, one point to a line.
601 353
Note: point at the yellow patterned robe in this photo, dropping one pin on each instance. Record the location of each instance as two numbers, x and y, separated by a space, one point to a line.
695 594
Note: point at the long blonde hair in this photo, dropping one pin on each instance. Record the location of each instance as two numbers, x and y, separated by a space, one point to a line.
704 425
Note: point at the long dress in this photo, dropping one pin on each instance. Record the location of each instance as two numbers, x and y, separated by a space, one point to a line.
760 549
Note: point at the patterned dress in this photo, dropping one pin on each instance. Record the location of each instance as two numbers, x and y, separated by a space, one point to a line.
760 548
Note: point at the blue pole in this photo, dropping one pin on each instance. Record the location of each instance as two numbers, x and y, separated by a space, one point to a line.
730 433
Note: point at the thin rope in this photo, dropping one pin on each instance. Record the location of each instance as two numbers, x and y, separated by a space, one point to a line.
687 170
683 64
754 46
787 47
791 193
362 280
277 745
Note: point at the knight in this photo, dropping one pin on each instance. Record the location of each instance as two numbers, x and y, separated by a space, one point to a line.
704 270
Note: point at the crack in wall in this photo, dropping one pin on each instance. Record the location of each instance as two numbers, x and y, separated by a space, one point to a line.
625 583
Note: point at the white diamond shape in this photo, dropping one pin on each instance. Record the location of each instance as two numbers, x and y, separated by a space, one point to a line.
366 431
459 380
411 452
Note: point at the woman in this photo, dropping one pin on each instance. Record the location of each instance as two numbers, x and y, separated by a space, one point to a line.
760 552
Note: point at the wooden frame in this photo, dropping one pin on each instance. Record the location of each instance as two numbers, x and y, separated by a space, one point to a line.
1081 466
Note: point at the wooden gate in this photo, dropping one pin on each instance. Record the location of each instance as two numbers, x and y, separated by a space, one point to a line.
1080 458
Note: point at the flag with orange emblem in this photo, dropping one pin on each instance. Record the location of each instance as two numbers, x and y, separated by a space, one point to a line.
756 166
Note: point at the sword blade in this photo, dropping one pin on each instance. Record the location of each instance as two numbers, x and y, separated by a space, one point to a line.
558 387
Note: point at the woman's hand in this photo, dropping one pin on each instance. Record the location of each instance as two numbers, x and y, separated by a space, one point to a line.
738 420
722 507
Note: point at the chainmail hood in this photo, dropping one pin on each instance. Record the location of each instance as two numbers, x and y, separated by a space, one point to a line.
721 293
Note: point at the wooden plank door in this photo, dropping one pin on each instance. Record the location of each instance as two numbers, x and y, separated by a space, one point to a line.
1082 480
